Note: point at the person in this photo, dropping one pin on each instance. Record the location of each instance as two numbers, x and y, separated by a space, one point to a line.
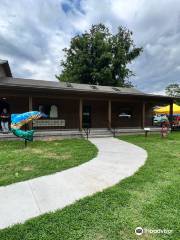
5 121
164 129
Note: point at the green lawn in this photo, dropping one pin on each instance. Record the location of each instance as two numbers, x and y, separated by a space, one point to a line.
41 158
149 199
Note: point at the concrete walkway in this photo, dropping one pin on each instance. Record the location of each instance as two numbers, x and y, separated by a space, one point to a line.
116 160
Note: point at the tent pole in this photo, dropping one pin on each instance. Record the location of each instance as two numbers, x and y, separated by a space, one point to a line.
171 114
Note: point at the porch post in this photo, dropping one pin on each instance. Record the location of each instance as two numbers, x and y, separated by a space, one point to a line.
171 114
109 114
80 113
143 115
30 103
30 109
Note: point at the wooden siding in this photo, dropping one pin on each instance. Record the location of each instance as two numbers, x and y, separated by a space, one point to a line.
69 107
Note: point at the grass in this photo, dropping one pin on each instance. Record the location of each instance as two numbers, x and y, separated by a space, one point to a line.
41 158
149 199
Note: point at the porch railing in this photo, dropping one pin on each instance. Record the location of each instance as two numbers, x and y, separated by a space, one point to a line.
111 129
87 131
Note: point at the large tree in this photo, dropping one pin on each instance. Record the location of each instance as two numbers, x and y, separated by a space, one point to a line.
99 57
173 90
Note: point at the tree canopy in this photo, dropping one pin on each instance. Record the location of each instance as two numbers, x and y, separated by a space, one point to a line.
173 90
100 57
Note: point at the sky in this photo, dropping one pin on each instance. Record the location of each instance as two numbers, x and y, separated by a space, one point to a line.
34 32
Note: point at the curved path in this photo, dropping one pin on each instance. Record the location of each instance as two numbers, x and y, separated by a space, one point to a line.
115 161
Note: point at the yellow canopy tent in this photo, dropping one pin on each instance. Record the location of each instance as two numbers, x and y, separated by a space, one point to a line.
165 110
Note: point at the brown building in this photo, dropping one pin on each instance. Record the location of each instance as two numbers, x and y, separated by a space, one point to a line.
77 106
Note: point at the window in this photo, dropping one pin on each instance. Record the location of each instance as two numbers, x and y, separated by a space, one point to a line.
69 85
94 87
116 89
125 113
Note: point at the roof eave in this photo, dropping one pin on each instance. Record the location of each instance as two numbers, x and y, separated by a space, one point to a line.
6 67
87 91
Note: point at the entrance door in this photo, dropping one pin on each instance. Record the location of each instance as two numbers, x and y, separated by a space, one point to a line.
86 118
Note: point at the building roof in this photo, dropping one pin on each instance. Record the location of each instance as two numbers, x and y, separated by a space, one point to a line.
75 87
21 82
5 65
10 82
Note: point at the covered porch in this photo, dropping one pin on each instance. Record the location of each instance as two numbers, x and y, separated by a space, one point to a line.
74 112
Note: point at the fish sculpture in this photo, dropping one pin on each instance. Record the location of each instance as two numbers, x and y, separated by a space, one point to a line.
19 120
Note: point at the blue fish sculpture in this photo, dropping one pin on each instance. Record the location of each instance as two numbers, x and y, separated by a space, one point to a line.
19 120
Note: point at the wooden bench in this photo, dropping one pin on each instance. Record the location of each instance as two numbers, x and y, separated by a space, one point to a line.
48 123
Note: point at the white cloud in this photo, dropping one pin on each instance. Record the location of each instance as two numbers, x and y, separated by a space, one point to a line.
162 92
33 42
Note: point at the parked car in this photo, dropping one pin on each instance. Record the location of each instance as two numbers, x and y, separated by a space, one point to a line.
159 119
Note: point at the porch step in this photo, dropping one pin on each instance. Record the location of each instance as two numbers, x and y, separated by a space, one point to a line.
101 136
75 133
122 131
40 135
99 133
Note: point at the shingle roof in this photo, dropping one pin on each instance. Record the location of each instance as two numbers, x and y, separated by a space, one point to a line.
9 82
21 82
63 86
